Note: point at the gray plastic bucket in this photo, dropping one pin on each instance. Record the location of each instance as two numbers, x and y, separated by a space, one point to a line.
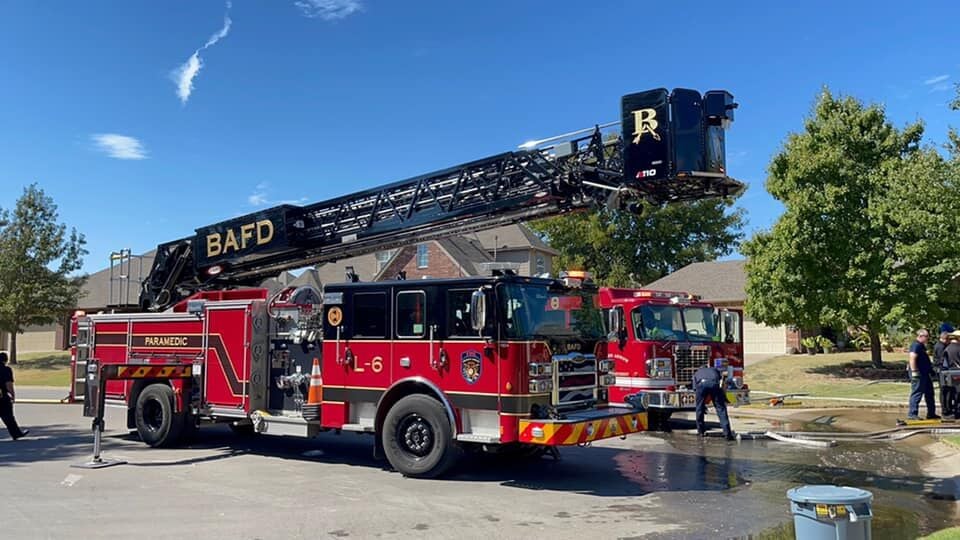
827 512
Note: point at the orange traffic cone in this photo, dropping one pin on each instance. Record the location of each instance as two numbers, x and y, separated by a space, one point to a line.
315 396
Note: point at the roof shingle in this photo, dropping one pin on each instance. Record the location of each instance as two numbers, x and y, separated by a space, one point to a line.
715 281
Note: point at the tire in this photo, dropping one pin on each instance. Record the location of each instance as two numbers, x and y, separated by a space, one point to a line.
659 420
156 421
242 430
418 439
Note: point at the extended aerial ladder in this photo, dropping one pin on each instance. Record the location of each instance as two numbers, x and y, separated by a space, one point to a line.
671 149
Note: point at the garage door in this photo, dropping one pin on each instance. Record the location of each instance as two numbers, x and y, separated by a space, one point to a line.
38 339
762 339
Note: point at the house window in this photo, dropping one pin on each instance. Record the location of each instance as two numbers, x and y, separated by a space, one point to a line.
423 257
541 265
383 258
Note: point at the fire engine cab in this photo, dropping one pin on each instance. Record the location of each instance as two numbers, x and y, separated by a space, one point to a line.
661 338
430 367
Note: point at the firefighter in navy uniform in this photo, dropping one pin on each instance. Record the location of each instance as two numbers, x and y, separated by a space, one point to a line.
7 397
708 382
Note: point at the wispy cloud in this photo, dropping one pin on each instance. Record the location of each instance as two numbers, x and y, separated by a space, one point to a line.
259 197
936 80
183 76
329 10
119 146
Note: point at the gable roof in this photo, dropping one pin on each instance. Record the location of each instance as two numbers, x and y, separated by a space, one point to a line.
715 281
96 292
468 254
511 237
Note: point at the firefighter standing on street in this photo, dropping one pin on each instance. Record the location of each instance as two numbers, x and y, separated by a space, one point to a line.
7 397
708 383
921 378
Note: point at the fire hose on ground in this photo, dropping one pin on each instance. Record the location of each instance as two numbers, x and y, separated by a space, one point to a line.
816 439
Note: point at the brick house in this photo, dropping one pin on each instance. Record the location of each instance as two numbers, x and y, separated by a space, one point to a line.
514 246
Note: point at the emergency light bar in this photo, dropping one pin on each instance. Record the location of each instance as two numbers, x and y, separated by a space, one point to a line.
667 295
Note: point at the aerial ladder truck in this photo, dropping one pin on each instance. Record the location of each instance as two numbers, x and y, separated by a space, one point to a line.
430 367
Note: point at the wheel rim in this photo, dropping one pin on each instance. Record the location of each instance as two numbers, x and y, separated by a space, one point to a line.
153 415
415 435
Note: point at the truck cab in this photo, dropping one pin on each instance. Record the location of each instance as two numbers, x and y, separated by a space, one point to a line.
661 338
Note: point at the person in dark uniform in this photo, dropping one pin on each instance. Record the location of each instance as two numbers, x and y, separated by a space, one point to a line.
950 360
708 382
921 378
7 397
939 347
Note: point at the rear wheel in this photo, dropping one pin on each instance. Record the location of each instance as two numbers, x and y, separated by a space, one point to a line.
417 437
157 423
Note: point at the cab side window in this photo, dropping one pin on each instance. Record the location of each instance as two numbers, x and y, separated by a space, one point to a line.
370 315
458 314
411 314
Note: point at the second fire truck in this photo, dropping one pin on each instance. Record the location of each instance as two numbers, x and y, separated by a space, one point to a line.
429 367
662 338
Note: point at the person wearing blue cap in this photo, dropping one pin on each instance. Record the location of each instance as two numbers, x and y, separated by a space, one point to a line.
921 378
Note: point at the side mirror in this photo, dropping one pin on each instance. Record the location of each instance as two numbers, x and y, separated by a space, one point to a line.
618 330
614 322
478 310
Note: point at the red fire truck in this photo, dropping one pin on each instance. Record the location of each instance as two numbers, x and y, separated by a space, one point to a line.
662 338
430 367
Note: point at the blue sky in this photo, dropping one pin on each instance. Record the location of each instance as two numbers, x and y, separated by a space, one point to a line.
305 100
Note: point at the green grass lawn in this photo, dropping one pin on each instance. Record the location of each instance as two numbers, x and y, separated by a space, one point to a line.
842 375
952 533
42 369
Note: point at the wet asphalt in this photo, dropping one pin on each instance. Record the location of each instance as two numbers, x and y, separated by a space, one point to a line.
664 485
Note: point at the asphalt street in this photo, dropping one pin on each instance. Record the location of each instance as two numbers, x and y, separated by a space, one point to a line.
260 487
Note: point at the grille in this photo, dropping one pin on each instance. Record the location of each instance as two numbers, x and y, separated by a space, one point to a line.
689 360
574 379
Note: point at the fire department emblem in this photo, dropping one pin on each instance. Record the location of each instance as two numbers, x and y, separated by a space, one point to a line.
470 366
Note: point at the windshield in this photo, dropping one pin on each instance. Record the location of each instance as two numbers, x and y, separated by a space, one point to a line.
535 310
673 323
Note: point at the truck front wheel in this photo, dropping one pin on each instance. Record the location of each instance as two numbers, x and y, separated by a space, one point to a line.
418 438
157 423
659 419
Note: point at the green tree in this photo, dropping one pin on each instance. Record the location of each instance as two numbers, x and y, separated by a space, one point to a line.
866 237
37 258
954 137
624 249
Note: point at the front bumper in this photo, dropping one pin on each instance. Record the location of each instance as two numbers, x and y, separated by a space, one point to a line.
685 400
583 426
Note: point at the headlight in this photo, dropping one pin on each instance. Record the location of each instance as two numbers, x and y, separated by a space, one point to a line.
606 366
541 386
738 382
537 369
608 379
